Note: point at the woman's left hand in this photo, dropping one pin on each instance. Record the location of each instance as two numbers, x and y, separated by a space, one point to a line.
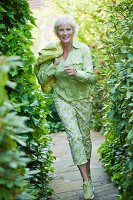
70 70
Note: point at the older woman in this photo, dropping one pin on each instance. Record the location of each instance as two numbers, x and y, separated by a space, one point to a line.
72 68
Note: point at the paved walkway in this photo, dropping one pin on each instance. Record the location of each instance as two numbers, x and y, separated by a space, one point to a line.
67 181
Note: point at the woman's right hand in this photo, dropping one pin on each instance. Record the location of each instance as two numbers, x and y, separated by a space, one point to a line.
57 60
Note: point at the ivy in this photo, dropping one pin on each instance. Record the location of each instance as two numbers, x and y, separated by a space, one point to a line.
14 183
116 151
15 39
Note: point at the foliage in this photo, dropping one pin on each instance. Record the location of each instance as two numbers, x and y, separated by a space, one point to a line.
54 122
13 170
116 152
16 22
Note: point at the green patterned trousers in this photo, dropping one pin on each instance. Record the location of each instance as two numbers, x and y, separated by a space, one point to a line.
76 118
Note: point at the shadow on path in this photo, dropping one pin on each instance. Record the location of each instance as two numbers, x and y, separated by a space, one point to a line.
67 181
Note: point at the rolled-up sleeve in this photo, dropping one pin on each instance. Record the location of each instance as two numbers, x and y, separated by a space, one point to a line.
87 73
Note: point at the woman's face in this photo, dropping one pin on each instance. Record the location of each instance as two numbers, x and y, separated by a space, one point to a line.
65 33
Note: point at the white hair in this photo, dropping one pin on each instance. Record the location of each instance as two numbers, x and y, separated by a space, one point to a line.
65 19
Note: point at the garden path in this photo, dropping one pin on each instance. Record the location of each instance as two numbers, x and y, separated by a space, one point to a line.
67 182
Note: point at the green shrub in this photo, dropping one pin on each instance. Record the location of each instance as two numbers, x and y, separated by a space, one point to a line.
14 182
54 122
116 152
16 22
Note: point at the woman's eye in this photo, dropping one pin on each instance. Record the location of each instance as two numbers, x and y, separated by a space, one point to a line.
68 29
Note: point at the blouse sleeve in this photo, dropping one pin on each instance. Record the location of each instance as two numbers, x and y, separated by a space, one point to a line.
87 73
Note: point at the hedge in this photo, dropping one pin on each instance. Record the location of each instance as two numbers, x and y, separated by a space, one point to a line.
16 23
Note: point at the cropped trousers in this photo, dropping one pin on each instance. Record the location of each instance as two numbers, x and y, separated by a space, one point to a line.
76 118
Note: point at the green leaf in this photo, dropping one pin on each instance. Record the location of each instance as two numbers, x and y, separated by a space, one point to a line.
13 119
11 14
130 134
19 140
33 172
11 84
124 49
128 94
131 119
2 26
2 9
9 37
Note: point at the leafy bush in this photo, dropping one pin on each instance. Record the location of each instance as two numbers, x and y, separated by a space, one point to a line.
116 152
13 170
16 22
54 122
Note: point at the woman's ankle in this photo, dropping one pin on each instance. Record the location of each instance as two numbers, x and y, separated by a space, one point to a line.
86 179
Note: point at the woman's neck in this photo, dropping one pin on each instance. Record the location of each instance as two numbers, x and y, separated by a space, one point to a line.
67 47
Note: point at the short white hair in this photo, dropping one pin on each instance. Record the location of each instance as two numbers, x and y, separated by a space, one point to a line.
65 19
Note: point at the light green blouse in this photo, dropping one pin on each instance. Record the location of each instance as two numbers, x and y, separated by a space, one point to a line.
68 87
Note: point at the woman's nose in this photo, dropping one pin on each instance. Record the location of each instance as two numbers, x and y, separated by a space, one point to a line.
65 32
